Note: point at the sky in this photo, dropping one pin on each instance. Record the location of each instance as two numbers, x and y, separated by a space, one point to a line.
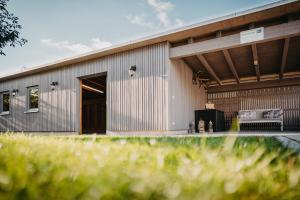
57 29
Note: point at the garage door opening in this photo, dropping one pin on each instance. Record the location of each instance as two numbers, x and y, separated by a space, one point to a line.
93 113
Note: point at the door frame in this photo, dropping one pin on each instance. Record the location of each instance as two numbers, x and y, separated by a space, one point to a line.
81 98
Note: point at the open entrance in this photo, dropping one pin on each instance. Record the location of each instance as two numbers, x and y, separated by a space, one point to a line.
93 113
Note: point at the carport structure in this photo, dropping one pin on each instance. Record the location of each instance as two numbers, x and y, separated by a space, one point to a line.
259 72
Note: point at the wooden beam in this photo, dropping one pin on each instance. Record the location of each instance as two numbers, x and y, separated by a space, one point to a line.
255 61
91 89
251 26
190 40
284 56
231 65
290 18
209 69
271 33
188 65
255 85
219 34
94 84
80 108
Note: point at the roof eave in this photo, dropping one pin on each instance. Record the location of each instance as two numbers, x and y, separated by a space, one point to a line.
153 39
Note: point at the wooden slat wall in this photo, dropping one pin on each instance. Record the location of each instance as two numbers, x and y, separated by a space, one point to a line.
137 103
184 97
287 98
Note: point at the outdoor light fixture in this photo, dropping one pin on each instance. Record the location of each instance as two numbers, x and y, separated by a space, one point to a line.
92 89
14 92
194 81
132 70
196 78
53 85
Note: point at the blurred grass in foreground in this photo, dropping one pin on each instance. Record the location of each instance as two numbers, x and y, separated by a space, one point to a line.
35 167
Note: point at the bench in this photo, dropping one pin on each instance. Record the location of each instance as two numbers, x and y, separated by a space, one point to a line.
261 116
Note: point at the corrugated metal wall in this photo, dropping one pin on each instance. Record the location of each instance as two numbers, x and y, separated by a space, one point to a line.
138 103
286 98
184 97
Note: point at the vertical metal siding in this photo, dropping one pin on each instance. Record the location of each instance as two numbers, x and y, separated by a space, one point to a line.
184 97
136 103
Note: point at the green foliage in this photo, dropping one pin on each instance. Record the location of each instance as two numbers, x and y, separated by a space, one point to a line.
48 167
234 125
9 28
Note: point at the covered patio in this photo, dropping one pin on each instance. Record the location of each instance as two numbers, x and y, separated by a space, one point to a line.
253 66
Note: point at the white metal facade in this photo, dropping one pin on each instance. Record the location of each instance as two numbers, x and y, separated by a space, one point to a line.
143 102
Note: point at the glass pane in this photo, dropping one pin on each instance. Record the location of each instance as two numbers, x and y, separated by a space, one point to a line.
33 98
5 102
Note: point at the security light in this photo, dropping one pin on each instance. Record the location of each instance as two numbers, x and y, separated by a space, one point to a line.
53 85
132 71
14 92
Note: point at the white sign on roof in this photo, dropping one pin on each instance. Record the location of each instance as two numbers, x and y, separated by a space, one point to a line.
252 35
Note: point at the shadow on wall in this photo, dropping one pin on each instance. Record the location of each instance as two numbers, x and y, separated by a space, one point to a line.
138 104
123 122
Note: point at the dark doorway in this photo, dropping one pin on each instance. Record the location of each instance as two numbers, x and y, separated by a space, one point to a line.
94 104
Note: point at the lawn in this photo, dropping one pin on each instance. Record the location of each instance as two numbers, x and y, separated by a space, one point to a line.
49 167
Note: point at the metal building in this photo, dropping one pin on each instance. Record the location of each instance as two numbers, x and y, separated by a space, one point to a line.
246 60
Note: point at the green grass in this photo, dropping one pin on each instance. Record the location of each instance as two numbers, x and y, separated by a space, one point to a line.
49 167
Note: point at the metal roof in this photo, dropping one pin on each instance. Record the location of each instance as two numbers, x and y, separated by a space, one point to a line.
274 10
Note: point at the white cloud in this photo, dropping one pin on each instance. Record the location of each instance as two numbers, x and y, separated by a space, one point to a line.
163 18
97 43
77 48
139 20
178 22
161 6
161 9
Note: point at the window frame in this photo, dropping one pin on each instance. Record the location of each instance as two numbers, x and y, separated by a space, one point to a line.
28 109
2 102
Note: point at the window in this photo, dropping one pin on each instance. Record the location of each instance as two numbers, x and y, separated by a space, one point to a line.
5 101
33 98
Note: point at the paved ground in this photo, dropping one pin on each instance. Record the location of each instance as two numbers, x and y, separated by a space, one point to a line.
294 137
292 142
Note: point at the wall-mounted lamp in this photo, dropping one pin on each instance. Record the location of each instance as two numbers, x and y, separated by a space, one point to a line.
132 71
14 92
53 85
194 80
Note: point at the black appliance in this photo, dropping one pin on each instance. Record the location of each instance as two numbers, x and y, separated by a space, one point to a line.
215 116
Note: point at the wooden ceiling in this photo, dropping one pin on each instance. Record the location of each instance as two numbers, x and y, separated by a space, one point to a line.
293 59
269 55
222 60
98 83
